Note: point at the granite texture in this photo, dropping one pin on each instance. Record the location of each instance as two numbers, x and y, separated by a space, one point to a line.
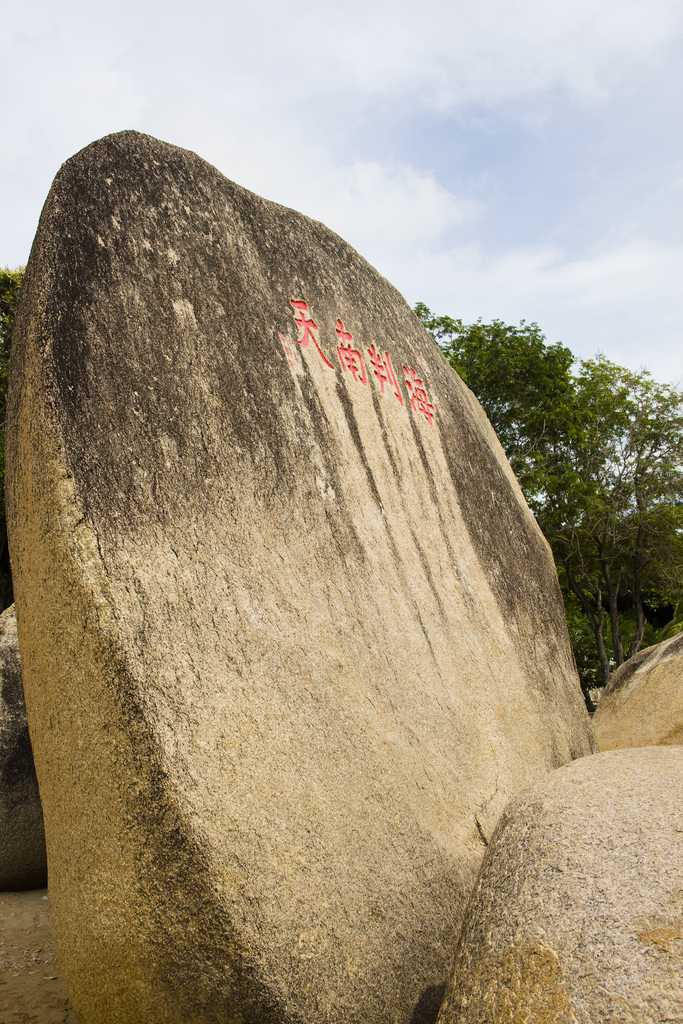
643 704
291 636
577 915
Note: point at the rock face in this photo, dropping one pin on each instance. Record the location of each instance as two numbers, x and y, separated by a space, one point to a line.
23 861
643 704
314 638
577 916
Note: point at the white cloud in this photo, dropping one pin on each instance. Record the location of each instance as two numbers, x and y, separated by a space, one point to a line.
444 52
287 97
652 271
625 300
449 52
498 50
362 200
368 201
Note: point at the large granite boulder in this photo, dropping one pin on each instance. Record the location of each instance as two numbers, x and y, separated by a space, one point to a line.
314 639
642 705
23 861
577 915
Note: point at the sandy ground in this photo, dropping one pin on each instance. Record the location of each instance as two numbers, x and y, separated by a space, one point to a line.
31 988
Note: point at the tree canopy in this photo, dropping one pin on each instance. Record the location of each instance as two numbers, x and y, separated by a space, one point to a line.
524 385
598 452
10 286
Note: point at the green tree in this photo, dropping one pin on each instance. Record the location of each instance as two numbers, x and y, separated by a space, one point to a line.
613 510
525 386
10 286
598 454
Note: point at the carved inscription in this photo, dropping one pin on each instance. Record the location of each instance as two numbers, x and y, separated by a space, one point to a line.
384 371
308 325
421 395
419 399
350 358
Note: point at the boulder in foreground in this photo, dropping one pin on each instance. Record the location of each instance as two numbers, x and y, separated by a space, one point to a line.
643 704
577 916
314 639
23 861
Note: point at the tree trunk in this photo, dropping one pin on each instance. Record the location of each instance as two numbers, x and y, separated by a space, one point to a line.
641 621
612 597
637 595
596 624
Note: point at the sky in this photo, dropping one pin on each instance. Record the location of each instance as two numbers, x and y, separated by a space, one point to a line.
510 159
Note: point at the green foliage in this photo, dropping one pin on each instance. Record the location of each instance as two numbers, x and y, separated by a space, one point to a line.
667 631
10 286
616 530
524 385
599 456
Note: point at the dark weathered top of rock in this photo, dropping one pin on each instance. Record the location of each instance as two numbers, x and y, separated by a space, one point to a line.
310 637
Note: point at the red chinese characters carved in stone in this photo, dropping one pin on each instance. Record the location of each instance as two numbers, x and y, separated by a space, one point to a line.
306 322
350 358
384 371
419 398
430 385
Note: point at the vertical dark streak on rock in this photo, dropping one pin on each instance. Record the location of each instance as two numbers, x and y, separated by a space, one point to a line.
429 476
347 406
444 533
352 424
497 540
377 404
429 576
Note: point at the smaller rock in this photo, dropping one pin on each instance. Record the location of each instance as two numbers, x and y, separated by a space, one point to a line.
643 704
577 914
23 860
